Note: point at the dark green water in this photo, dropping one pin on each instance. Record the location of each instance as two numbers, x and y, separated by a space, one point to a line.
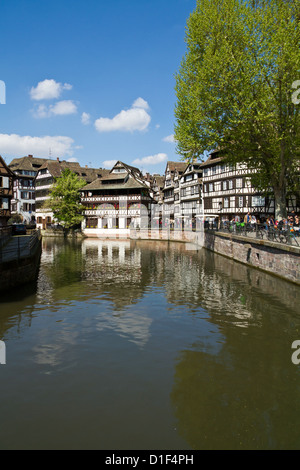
144 345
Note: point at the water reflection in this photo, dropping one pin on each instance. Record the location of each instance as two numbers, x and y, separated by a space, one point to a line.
194 343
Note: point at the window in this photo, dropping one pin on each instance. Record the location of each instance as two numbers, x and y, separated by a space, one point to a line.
226 202
230 184
211 187
224 185
241 201
4 203
4 182
248 183
218 186
258 201
216 203
239 182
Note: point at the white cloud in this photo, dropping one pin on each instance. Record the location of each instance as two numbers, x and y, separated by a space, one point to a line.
169 138
109 163
48 89
134 119
151 159
40 112
17 145
61 108
72 160
140 103
85 118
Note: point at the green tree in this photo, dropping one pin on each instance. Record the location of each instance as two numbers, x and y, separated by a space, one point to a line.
234 89
64 200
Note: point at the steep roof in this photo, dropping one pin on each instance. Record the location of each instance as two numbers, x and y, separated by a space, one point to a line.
4 168
179 166
98 184
56 168
28 163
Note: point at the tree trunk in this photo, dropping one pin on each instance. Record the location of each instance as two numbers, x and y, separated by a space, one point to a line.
280 203
66 232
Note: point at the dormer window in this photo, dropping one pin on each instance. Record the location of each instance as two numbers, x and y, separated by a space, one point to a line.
119 170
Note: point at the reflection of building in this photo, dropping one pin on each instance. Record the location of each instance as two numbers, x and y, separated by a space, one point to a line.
115 201
6 192
46 176
23 202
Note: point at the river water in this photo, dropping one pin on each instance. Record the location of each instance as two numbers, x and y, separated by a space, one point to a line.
146 345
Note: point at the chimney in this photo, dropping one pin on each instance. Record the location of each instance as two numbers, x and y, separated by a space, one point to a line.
30 156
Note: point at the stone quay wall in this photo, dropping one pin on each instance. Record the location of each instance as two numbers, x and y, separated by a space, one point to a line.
21 271
275 258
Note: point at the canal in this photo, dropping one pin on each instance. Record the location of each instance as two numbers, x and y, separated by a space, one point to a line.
147 345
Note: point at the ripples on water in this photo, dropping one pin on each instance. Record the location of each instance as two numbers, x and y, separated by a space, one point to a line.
144 345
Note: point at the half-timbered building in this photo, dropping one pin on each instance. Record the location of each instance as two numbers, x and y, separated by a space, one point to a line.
23 202
116 201
171 190
46 176
190 193
227 190
6 192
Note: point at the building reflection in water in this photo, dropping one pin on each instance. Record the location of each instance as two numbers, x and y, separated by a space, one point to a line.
220 331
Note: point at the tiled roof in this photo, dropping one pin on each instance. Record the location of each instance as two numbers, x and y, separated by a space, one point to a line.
131 183
26 163
88 174
179 166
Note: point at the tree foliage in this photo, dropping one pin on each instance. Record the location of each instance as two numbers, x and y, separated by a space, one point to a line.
64 199
235 86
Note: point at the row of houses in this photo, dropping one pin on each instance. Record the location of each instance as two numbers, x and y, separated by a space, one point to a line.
122 196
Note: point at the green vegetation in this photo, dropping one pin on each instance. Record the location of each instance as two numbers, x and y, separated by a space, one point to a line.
64 200
235 86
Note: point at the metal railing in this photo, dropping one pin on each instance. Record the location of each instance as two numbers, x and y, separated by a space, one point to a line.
18 247
5 234
286 234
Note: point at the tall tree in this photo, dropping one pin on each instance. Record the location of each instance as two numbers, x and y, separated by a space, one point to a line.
65 200
235 89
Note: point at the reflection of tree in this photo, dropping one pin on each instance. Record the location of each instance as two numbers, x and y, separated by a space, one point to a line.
247 397
227 290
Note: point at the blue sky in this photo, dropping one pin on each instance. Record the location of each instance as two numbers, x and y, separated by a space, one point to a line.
91 80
